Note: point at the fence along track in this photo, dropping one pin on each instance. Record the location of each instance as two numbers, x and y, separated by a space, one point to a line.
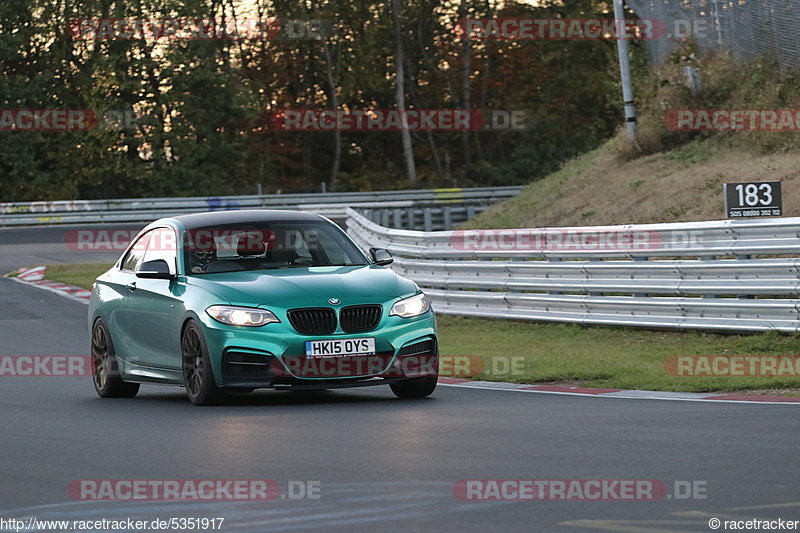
424 208
721 275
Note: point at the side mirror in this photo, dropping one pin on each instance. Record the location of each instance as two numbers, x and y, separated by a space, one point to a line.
155 269
381 256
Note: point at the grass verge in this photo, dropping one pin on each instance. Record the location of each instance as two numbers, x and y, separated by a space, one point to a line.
79 274
607 357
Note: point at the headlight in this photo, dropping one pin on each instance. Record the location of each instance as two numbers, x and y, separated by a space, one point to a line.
241 316
413 306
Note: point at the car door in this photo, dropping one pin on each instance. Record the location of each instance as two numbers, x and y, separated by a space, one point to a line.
124 284
154 308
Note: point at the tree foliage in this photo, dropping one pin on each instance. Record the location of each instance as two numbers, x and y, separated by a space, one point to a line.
194 114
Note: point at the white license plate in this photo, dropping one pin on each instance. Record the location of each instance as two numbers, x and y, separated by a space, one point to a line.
341 347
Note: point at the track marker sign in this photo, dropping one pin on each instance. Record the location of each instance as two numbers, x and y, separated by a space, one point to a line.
753 199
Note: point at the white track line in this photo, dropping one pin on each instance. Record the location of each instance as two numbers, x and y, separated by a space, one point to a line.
639 395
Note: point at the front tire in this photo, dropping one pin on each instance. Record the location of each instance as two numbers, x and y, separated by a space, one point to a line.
105 372
197 374
414 388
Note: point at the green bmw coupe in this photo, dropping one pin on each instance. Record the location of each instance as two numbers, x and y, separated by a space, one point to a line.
232 301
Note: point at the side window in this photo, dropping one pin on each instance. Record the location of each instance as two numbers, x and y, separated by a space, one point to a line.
162 245
135 255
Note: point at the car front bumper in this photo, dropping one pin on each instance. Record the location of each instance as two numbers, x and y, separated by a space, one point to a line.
273 356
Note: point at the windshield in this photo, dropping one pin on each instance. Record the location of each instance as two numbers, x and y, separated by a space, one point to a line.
267 246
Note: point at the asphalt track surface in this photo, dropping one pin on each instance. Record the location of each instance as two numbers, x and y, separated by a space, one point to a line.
380 463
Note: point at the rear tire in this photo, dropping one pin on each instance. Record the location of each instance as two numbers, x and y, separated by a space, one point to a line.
414 388
105 371
197 374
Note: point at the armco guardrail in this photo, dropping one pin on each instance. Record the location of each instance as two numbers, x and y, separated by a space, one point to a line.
329 204
725 275
429 218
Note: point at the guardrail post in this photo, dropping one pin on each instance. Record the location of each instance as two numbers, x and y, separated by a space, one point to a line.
639 294
554 260
448 221
710 296
397 214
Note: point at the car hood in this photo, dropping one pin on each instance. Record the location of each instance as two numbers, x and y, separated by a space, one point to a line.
306 287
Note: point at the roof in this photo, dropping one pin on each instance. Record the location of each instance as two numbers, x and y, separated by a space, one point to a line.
244 216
